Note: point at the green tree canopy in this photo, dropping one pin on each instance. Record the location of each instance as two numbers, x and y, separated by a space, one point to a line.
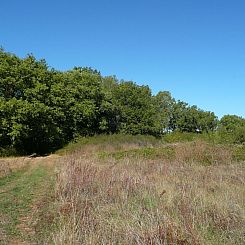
42 109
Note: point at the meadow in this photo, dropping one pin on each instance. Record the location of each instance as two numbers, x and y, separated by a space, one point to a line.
126 190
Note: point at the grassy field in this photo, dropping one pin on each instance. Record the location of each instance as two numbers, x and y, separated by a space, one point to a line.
126 190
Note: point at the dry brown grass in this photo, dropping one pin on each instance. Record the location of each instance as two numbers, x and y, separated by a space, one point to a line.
204 153
12 164
8 165
4 168
197 197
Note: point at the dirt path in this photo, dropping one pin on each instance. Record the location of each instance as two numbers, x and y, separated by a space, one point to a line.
23 193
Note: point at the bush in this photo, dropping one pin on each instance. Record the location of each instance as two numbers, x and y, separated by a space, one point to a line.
239 135
6 152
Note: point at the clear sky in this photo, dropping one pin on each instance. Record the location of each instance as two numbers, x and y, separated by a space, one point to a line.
193 48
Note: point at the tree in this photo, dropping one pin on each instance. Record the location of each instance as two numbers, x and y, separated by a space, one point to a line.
136 108
164 103
42 109
231 122
231 129
187 118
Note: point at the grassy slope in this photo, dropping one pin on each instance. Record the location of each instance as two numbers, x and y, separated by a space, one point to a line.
132 193
127 190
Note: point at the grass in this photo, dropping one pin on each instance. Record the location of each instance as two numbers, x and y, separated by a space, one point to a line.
174 137
185 193
199 152
144 152
126 190
239 152
109 143
20 191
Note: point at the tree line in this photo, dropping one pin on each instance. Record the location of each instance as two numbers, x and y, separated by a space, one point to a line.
42 109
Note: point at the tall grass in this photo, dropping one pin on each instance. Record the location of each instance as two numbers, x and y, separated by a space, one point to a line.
196 196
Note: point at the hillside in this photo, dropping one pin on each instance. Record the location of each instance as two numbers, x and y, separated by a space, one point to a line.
125 190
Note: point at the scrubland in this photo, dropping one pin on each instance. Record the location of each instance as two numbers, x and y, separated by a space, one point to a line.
151 193
139 190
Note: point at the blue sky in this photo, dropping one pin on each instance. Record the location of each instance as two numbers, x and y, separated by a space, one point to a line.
193 48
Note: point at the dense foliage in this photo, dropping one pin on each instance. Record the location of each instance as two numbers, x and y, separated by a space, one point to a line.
42 109
232 129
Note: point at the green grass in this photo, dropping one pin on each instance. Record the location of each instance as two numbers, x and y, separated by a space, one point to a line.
207 157
145 152
18 191
119 146
115 140
176 137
